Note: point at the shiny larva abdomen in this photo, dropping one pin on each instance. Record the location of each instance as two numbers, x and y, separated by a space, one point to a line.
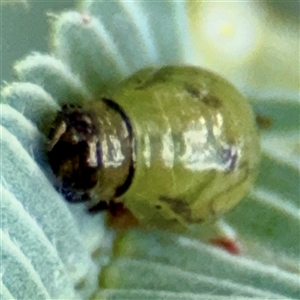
197 149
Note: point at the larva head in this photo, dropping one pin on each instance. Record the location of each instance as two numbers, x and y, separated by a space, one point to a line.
73 151
90 152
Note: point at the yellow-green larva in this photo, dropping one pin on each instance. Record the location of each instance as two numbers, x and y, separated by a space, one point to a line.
175 145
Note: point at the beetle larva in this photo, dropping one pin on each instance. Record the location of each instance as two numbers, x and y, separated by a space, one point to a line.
175 145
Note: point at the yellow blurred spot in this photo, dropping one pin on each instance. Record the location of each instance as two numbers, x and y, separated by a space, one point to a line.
227 30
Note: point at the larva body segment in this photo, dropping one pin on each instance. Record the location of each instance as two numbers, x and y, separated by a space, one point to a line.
197 146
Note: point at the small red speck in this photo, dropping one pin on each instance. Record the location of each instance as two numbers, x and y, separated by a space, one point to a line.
120 218
227 244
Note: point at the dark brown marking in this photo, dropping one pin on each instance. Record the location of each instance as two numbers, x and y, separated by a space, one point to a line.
157 77
212 101
119 217
264 122
178 206
193 91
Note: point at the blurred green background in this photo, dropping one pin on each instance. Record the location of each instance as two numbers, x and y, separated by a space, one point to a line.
25 28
